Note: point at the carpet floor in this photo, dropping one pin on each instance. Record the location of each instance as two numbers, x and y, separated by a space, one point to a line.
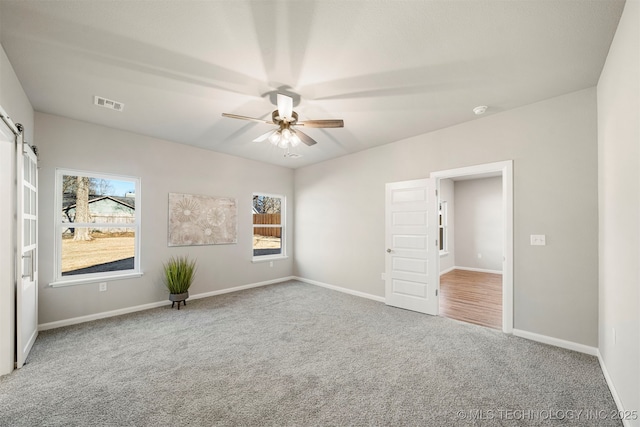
294 354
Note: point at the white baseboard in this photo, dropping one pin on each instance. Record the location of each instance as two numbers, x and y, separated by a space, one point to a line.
240 288
569 345
121 311
612 388
340 289
479 270
447 270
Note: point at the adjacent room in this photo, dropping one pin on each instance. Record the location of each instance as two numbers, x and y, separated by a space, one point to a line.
320 213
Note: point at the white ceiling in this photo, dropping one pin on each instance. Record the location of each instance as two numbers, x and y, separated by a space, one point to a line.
391 69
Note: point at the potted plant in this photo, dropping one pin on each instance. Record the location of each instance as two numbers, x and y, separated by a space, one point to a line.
179 273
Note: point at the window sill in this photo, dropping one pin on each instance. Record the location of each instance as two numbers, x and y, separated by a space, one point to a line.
87 280
267 258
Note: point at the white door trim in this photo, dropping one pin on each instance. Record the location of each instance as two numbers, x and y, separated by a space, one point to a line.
504 168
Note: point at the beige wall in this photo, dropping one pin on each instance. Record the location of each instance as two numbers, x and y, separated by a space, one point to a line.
619 207
479 225
339 231
14 100
163 167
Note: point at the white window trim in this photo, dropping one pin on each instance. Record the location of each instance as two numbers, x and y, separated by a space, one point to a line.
80 279
282 225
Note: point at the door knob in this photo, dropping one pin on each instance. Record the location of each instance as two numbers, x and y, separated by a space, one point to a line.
389 251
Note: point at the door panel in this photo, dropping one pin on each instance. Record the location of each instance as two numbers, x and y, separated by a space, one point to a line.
412 246
27 274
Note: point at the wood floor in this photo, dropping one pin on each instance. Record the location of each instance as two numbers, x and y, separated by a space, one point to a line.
472 297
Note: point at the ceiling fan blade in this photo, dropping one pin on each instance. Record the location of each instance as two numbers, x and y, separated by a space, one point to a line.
253 119
305 138
331 123
265 135
285 107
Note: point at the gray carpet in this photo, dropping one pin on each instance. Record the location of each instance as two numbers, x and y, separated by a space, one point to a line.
293 354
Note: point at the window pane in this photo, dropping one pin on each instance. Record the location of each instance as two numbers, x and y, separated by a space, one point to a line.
108 249
90 200
27 200
33 202
266 205
267 241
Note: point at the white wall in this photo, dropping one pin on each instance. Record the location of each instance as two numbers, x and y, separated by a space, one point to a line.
619 208
447 194
163 167
16 104
479 225
340 208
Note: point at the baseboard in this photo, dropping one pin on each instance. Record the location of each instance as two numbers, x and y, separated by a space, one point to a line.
447 270
121 311
612 388
102 315
569 345
240 288
340 289
479 270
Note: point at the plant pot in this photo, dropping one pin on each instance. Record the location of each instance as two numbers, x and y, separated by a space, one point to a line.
179 298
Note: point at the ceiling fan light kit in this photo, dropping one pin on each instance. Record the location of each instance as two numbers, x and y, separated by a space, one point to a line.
284 117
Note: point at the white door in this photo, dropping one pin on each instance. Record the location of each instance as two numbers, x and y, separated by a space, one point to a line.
411 235
27 273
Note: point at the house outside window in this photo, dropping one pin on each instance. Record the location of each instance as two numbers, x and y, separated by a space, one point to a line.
97 227
268 226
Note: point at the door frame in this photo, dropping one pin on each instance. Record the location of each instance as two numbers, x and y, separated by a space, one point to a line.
505 168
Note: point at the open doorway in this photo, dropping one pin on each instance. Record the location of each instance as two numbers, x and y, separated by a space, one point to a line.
476 244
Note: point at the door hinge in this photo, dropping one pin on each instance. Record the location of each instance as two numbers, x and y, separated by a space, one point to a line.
436 292
436 193
436 242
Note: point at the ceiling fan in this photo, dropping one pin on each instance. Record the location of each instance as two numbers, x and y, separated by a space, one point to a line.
284 136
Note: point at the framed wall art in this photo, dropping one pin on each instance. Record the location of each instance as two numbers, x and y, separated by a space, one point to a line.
202 220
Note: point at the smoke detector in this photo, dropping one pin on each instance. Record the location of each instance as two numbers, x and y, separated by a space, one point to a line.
480 109
108 103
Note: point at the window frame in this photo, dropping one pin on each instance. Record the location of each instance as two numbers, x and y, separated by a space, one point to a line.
59 226
282 226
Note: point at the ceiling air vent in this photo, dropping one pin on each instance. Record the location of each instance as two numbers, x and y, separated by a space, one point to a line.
108 103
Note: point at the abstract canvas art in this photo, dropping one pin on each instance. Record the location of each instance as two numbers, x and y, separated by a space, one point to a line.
201 220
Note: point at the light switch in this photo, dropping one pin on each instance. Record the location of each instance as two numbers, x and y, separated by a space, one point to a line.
538 240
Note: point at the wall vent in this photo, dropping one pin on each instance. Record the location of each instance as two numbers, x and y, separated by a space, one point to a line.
108 103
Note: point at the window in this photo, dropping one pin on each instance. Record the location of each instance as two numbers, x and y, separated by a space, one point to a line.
442 225
97 227
268 226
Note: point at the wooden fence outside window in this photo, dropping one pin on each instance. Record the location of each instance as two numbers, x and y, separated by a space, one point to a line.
267 219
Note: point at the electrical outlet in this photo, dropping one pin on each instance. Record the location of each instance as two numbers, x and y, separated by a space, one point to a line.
270 263
538 240
103 286
479 256
383 276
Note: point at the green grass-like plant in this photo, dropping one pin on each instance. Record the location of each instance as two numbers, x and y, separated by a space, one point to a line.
179 273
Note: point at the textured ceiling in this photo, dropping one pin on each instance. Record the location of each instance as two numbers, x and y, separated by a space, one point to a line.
390 69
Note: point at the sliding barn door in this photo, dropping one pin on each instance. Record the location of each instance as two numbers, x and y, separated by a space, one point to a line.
411 235
27 271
